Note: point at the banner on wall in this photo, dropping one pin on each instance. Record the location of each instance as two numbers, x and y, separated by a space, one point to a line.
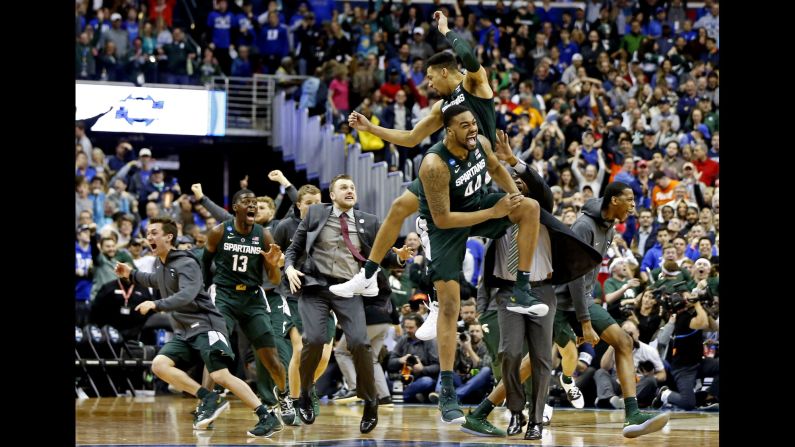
157 110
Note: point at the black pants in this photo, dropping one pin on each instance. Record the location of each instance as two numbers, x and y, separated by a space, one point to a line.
515 329
314 305
685 379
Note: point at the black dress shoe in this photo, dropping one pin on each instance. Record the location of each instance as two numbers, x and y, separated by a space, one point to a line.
533 431
305 410
517 422
370 417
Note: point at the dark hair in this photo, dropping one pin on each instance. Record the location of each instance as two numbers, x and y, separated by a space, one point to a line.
705 237
237 195
169 226
613 189
452 112
414 316
443 60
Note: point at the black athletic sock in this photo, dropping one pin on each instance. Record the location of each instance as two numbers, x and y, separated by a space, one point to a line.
370 268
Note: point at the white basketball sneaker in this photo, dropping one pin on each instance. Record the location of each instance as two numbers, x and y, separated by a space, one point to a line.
428 329
358 285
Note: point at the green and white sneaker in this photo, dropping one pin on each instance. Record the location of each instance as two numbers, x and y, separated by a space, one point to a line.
209 409
522 301
266 426
448 405
315 400
480 426
642 423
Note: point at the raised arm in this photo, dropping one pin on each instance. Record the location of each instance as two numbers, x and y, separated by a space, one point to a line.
406 138
435 179
216 211
476 80
213 239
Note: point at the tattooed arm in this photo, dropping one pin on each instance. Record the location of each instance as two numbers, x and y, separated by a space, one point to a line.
435 177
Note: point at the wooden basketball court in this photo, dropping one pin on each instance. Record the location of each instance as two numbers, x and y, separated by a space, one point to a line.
166 420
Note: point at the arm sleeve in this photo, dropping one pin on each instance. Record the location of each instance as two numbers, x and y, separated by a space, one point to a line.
144 279
296 248
219 213
190 284
537 187
207 264
394 365
464 51
577 287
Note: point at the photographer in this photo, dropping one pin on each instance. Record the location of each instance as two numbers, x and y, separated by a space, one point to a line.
620 289
649 372
416 360
689 320
473 378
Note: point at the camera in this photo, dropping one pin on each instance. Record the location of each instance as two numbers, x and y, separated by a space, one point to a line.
463 336
627 308
411 360
670 301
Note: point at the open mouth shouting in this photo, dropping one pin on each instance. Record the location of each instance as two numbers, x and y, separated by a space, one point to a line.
472 141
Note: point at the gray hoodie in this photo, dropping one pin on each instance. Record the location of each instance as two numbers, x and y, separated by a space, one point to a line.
577 295
180 281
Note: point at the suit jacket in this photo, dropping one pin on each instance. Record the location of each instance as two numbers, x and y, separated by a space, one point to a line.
303 243
571 256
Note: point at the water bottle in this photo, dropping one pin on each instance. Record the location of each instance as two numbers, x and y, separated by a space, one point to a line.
161 337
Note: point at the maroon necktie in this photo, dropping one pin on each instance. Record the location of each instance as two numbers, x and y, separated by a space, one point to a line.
347 238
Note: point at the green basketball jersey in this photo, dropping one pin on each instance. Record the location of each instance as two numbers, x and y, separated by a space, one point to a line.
237 257
466 179
483 109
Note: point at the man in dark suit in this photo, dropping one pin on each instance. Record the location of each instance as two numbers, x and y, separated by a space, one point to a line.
397 116
560 257
335 239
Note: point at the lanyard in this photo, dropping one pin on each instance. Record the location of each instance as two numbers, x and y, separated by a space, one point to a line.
126 295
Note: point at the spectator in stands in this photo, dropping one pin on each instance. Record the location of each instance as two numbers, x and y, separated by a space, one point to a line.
179 54
399 117
219 24
591 177
156 187
209 67
116 34
339 93
241 65
105 256
85 62
651 260
273 43
82 167
123 154
663 191
84 271
368 141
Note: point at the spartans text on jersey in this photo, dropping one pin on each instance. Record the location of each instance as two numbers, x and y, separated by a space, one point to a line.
238 248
